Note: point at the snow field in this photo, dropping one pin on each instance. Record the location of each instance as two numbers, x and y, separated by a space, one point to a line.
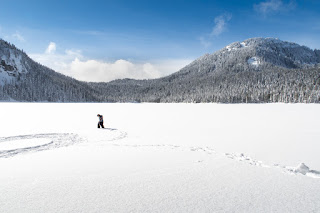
254 61
159 158
23 143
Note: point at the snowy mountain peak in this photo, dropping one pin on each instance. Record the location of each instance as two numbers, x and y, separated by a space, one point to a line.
253 42
256 54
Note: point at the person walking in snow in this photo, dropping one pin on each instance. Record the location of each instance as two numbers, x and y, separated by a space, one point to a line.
100 123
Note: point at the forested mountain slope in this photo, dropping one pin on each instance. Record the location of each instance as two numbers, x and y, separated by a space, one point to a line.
22 79
258 70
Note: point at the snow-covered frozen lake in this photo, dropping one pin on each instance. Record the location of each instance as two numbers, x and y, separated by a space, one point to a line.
159 158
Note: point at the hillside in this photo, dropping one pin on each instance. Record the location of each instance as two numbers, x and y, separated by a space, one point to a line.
257 70
22 79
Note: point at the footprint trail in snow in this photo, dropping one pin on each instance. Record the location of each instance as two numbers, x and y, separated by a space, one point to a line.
301 169
21 144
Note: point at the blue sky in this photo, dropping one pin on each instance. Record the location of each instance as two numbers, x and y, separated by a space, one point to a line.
104 40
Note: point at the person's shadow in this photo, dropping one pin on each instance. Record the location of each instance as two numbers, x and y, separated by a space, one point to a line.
110 129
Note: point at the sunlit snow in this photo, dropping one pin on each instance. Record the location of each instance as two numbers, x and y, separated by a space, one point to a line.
254 61
159 158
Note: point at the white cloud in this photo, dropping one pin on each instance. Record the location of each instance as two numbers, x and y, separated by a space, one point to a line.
220 24
219 27
271 6
74 64
13 38
51 48
57 62
18 37
99 71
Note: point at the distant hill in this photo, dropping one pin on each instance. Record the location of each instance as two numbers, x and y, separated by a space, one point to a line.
257 70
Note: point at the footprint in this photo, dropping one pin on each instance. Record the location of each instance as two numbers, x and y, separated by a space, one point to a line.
205 149
303 170
243 158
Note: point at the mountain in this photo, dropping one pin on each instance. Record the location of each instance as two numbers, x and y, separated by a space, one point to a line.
22 79
256 54
257 70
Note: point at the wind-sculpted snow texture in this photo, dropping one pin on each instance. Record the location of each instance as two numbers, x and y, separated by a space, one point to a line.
159 158
257 70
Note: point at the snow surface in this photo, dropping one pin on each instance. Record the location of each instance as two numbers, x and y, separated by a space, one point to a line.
159 158
254 61
4 77
23 143
231 47
15 60
243 44
236 46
